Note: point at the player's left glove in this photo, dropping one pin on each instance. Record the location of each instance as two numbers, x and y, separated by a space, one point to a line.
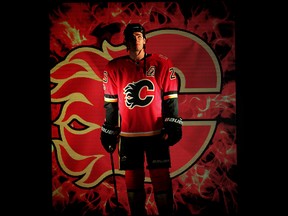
172 130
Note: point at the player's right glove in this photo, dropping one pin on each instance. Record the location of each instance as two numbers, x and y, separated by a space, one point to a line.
109 137
172 130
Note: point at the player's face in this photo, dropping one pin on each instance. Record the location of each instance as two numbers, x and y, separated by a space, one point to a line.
136 42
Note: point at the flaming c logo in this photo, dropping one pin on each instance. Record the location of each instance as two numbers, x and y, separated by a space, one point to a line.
78 112
133 90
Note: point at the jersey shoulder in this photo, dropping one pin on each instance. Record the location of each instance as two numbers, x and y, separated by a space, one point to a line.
160 58
118 60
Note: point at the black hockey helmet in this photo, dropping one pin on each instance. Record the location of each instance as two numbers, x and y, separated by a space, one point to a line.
131 28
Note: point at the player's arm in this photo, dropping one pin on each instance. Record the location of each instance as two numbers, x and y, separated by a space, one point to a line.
111 112
171 120
110 130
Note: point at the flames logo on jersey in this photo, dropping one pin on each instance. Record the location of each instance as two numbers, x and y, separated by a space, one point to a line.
133 92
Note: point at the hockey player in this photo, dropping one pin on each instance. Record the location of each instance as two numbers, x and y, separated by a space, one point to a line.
141 105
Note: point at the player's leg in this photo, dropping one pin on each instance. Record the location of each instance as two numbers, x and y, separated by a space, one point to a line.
158 160
163 192
132 161
136 191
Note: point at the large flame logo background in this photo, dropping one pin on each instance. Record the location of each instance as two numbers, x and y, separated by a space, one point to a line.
83 38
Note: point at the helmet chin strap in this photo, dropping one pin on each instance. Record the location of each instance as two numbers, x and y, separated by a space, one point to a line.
141 51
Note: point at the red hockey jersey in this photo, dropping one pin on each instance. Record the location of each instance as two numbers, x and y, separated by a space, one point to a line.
138 88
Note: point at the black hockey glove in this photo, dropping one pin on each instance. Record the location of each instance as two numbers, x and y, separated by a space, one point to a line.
173 128
109 137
